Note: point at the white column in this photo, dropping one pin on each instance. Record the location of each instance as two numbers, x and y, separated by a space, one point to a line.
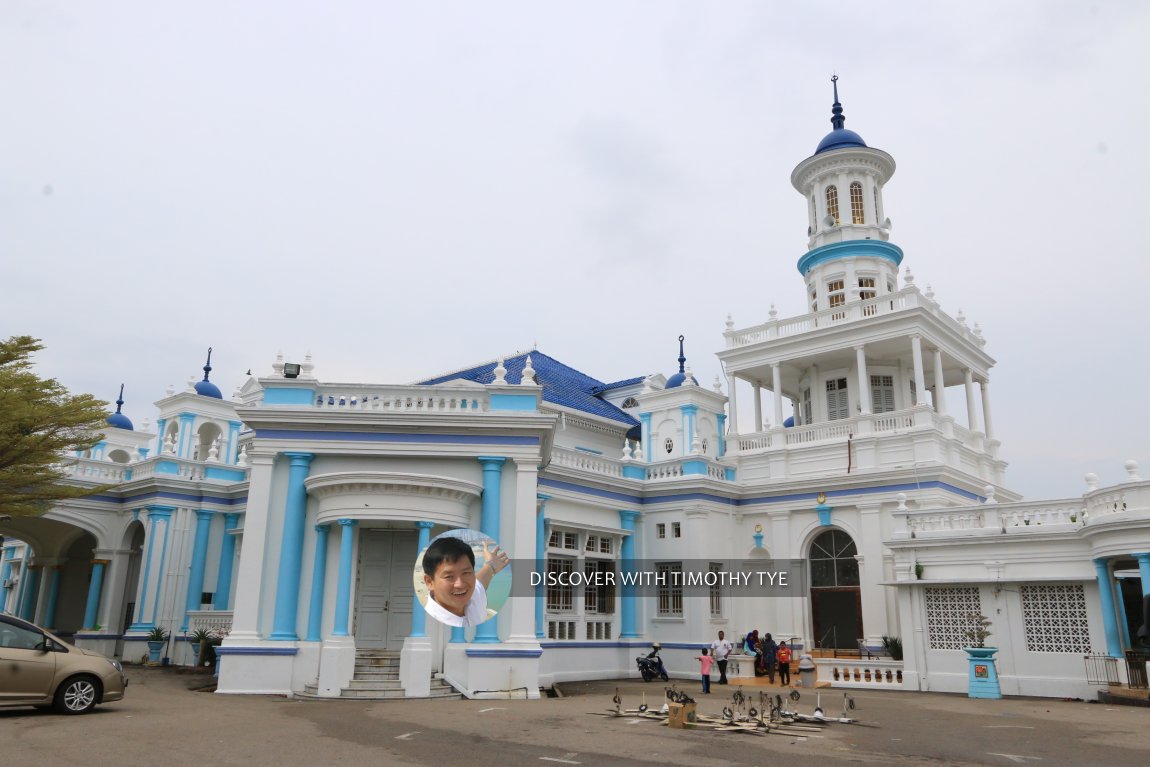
939 384
864 380
919 376
758 406
818 396
971 415
777 385
249 574
521 518
732 416
986 409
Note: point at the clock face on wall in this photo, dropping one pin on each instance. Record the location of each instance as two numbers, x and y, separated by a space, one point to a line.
821 498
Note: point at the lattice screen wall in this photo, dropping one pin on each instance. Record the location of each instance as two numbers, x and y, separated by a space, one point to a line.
1055 618
948 611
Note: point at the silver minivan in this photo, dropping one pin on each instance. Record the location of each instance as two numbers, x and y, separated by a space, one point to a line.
39 669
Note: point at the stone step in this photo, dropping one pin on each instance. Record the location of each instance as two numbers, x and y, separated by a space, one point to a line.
440 690
377 662
376 672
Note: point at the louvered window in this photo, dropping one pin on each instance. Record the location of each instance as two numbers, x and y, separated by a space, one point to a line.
882 394
838 405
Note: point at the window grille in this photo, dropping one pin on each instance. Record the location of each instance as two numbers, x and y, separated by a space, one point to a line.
856 203
833 203
1054 618
948 615
670 590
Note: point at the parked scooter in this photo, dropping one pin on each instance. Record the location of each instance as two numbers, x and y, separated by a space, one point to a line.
651 665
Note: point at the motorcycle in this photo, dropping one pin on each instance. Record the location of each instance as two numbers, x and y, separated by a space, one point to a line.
651 666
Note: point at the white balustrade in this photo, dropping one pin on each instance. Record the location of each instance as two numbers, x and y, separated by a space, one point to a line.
865 673
402 399
218 622
595 464
91 470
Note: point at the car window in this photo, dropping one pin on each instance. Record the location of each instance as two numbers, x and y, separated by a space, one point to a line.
19 638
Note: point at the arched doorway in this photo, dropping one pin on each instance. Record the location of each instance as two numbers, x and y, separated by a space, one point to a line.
133 542
836 598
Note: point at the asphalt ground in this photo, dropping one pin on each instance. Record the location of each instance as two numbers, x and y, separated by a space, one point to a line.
162 721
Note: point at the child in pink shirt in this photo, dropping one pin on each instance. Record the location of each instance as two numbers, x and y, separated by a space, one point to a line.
706 660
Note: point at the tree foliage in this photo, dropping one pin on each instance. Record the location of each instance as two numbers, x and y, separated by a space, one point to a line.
41 425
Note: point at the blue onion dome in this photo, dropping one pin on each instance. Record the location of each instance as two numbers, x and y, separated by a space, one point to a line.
679 378
118 420
206 388
840 137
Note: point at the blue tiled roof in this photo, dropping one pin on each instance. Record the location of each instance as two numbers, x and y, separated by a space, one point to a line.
562 385
617 385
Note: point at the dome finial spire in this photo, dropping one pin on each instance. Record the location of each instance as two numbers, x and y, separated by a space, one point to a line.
208 366
120 401
682 357
837 119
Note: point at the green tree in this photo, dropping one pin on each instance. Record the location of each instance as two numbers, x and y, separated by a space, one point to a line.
41 424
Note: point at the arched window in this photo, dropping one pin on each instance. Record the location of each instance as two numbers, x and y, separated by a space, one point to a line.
856 203
833 563
630 402
833 203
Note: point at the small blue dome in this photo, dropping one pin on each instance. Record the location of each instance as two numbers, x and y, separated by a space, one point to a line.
678 379
118 420
208 389
840 138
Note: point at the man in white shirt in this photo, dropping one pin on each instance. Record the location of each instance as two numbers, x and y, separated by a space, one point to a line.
720 649
457 594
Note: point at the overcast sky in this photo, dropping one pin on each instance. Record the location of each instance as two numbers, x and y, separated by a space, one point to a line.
407 188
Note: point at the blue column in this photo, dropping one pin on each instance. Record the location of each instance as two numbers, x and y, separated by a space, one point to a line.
184 447
1120 605
1144 570
629 628
1109 618
291 549
343 586
227 559
53 576
721 418
95 587
488 633
233 442
5 572
18 608
161 425
199 564
541 563
31 592
645 419
318 576
418 614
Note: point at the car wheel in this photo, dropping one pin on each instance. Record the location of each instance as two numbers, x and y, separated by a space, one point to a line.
77 695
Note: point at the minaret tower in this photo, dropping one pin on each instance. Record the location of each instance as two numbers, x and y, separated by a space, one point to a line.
848 254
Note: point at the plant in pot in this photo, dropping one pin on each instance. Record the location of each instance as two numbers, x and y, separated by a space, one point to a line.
201 640
893 647
980 658
157 638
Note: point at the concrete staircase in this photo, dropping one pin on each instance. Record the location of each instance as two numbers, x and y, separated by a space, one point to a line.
377 678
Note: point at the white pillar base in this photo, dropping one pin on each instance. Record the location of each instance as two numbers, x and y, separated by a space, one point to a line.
415 667
336 666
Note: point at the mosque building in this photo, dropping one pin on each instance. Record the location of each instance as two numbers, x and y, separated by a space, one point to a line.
289 518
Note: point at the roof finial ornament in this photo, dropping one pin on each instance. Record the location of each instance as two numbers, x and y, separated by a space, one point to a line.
837 119
208 365
120 401
682 357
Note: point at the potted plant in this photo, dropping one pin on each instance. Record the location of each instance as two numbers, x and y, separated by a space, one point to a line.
893 647
918 571
157 638
200 639
980 659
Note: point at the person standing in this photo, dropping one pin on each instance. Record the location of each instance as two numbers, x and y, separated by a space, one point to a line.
706 660
770 652
783 656
720 649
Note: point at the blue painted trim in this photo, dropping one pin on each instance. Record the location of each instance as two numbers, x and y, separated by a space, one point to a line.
730 473
199 564
257 650
95 588
824 514
849 249
645 420
184 449
631 471
359 436
343 584
490 512
80 635
513 402
589 450
282 395
694 467
472 653
629 605
419 615
218 472
167 467
608 645
318 576
291 549
223 593
721 419
1109 616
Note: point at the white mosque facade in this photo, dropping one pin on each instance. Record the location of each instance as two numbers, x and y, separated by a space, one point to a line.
289 517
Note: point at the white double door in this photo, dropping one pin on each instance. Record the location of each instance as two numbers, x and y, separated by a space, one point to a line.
384 588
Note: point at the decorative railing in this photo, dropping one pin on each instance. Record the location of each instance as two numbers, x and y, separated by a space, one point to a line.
991 518
595 464
852 311
862 672
219 622
1129 497
91 470
679 468
165 465
401 399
